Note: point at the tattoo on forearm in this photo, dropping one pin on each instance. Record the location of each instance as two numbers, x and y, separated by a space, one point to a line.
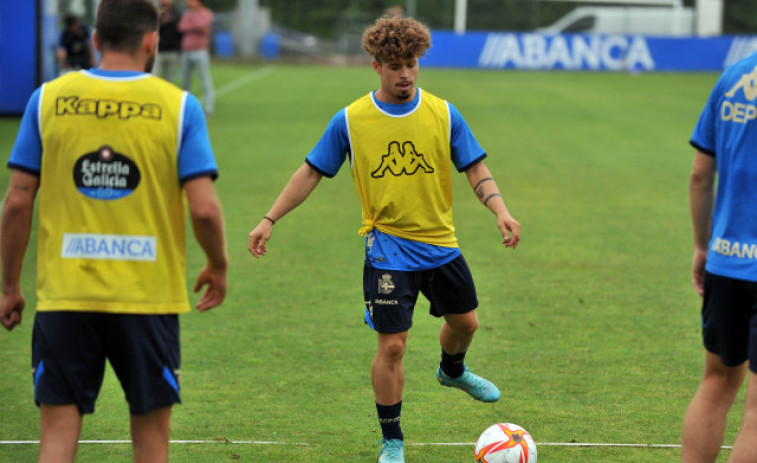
479 189
490 197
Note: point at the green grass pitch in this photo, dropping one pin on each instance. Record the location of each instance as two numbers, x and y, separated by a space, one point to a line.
590 328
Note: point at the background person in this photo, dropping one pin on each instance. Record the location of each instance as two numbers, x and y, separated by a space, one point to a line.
75 46
111 264
195 25
169 45
401 143
724 270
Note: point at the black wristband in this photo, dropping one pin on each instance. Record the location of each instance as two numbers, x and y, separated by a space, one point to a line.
273 222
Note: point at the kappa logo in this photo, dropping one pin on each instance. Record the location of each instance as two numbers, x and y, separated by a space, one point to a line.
385 284
737 111
748 83
73 105
405 160
369 239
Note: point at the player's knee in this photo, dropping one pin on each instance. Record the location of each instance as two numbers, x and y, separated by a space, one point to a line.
724 378
472 326
393 348
466 327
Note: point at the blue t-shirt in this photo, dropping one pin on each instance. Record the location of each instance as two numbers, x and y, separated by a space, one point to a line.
727 130
382 250
195 152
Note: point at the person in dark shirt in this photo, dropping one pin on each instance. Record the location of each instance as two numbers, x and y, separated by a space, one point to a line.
169 44
75 47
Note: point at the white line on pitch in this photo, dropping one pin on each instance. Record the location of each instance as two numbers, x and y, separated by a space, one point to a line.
258 442
190 441
244 80
575 444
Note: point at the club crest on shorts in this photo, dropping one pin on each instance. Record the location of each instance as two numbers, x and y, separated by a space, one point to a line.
385 284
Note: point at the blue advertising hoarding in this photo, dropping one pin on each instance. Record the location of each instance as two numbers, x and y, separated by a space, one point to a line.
19 60
583 52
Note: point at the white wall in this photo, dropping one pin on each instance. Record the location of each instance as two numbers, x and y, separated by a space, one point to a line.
709 17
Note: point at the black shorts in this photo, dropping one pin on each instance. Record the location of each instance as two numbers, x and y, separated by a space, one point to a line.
729 324
69 350
390 295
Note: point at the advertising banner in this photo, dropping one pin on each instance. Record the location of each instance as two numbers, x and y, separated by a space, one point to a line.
18 54
585 52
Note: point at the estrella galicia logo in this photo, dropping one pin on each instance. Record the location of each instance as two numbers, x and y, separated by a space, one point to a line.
405 160
105 174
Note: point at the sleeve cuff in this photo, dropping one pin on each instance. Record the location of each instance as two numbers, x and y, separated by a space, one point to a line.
213 174
473 163
317 169
706 151
25 169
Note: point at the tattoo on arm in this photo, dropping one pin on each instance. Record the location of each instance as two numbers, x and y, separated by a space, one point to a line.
21 187
480 189
490 197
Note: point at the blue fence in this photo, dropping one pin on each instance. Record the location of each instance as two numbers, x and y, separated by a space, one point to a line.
533 51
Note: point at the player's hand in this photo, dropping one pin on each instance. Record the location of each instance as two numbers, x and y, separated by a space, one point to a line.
259 236
510 229
217 284
697 270
11 306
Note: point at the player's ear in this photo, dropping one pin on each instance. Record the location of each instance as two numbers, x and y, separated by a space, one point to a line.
150 43
96 41
377 66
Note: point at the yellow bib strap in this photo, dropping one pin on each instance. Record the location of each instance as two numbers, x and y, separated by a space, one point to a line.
368 225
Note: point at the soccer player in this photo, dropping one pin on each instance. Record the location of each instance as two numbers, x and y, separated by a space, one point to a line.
111 153
724 266
400 143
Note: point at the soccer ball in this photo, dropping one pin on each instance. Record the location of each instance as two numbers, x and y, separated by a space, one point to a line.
505 443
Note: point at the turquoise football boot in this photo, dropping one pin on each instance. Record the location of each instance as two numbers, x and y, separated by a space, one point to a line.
392 451
476 386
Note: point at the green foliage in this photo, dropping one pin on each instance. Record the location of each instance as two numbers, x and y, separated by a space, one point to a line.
220 5
740 17
329 18
590 327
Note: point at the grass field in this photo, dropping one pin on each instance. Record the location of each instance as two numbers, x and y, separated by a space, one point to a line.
590 328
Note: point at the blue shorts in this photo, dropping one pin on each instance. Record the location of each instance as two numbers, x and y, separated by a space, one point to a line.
729 324
390 295
69 350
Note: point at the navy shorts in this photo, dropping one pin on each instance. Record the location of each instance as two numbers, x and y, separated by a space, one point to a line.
729 321
390 295
69 350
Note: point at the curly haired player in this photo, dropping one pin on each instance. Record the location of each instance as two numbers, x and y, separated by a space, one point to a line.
401 142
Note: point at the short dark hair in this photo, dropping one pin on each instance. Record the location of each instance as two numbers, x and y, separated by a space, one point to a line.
121 24
70 20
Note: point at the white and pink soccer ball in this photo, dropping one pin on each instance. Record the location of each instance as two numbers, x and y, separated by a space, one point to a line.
505 443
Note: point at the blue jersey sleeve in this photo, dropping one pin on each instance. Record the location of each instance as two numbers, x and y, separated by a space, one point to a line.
329 153
465 148
27 150
195 153
704 136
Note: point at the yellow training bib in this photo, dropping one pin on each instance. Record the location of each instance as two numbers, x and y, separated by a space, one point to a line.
402 170
111 215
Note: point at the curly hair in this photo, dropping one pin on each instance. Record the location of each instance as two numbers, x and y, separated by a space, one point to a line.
390 39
